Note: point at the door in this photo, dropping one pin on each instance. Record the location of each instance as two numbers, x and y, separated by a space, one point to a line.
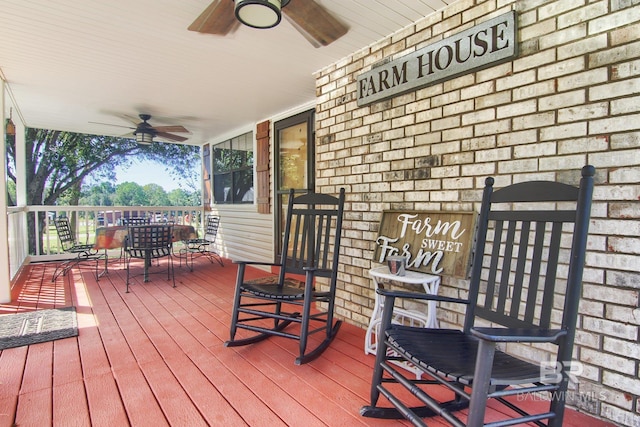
295 164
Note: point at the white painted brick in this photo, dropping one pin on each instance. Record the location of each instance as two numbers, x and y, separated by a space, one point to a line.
535 60
562 68
533 31
562 100
516 138
534 150
479 116
458 133
614 89
616 159
618 381
516 80
611 56
582 145
614 20
620 416
606 327
583 46
583 112
569 130
563 36
499 126
625 105
629 175
625 140
517 109
493 155
621 262
582 14
612 362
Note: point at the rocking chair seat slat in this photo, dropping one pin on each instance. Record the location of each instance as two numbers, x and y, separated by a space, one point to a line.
452 353
273 291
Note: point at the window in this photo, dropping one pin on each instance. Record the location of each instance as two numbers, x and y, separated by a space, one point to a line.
233 170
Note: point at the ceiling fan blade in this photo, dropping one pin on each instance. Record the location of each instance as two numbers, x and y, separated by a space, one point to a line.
175 128
170 136
314 22
218 18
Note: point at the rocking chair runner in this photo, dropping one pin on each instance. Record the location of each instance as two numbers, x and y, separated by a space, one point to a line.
311 247
522 262
83 251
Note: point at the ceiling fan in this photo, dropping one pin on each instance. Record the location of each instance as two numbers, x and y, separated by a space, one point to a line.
317 25
145 133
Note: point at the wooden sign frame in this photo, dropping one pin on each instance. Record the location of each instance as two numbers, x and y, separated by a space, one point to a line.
433 242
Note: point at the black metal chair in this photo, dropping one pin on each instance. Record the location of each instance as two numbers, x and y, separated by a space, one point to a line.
202 246
136 220
311 246
84 252
525 286
149 242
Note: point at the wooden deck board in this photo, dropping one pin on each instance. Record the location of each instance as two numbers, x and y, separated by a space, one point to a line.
155 356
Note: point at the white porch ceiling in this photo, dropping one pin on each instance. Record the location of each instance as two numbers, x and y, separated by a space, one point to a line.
68 63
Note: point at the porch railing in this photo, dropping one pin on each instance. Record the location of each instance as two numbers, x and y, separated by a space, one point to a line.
85 220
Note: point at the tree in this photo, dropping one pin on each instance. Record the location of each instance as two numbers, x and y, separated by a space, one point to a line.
155 194
130 194
101 194
180 197
58 162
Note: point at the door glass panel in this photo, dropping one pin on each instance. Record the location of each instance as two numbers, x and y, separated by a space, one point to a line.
293 157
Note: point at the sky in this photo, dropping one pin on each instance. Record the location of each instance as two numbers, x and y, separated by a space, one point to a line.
147 172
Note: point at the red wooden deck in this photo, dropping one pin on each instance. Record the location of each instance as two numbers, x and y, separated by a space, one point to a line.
155 357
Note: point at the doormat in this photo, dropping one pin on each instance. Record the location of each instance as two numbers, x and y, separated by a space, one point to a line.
37 326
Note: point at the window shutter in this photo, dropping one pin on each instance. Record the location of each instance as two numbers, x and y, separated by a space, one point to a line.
262 167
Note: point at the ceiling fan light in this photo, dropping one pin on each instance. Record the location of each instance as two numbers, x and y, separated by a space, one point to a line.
144 138
259 13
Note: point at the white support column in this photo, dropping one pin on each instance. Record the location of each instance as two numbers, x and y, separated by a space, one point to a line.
5 279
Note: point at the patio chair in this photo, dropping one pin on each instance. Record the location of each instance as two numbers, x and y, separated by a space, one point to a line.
149 242
202 246
311 246
525 286
83 252
136 220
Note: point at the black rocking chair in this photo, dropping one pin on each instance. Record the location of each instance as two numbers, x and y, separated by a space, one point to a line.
84 252
149 242
311 246
525 286
202 246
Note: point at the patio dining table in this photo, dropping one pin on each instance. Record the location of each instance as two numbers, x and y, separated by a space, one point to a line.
114 237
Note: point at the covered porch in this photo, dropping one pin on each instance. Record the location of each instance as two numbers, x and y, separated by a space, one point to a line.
156 357
570 98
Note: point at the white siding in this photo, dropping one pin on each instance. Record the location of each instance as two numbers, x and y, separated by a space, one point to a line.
244 234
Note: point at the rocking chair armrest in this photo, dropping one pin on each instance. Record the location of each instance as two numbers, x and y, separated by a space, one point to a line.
257 263
420 296
518 334
316 270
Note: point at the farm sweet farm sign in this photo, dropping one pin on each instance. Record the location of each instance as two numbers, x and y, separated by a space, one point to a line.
484 45
432 242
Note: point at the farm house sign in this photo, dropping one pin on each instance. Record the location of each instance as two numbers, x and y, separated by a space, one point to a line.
432 242
486 44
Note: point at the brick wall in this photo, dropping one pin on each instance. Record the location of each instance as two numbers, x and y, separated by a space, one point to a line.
571 98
